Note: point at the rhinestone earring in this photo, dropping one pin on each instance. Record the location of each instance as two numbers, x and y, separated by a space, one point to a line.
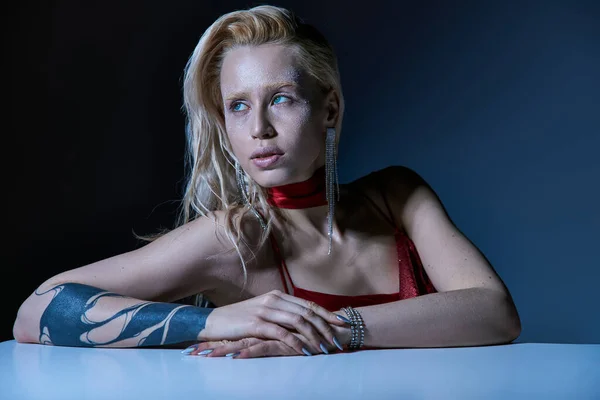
240 178
331 180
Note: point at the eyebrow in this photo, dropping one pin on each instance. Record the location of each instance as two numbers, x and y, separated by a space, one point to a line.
269 87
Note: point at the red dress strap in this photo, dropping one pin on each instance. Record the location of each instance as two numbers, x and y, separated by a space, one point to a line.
414 280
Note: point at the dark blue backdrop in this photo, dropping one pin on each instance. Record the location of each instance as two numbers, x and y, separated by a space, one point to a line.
495 103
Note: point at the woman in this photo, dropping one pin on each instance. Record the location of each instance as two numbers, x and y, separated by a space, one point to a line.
295 263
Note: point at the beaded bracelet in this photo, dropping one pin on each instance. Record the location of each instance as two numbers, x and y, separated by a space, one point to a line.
357 328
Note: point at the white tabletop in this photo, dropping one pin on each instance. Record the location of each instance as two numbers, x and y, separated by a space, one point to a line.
516 371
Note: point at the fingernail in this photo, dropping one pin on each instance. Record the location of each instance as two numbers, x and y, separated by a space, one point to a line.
323 348
308 353
189 349
337 343
232 354
205 352
343 319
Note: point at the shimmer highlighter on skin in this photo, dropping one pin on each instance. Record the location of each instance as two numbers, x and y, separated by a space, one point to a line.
266 95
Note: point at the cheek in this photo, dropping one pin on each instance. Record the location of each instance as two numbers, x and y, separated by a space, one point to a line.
232 127
305 129
236 146
235 134
299 120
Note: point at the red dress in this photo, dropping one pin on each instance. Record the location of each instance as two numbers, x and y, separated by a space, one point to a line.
412 276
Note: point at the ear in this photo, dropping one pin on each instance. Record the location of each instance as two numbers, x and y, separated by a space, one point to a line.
332 108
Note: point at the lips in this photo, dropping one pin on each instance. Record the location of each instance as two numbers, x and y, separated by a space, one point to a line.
266 155
267 151
266 162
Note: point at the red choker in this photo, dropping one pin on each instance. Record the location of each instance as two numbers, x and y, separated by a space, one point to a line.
310 193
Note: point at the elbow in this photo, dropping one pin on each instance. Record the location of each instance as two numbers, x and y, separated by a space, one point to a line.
508 322
513 326
499 319
19 335
19 332
26 325
511 329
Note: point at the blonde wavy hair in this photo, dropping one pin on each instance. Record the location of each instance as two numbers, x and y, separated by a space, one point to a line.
210 162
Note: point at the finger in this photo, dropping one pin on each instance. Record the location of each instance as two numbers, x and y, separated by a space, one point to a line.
234 347
267 348
268 330
322 312
309 310
323 348
297 322
203 347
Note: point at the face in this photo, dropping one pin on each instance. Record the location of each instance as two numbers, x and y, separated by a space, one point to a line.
269 101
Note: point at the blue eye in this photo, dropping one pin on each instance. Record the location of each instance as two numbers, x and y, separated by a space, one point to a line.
280 97
235 106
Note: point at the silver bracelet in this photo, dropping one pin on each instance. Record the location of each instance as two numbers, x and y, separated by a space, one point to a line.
357 328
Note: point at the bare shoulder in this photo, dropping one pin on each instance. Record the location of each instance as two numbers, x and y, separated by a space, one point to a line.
242 220
404 189
238 235
396 180
213 237
396 176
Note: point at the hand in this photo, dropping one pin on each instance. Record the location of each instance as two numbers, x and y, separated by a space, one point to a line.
274 316
255 347
244 348
343 334
250 348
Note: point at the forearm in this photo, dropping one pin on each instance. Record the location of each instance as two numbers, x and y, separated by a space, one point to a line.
81 315
468 317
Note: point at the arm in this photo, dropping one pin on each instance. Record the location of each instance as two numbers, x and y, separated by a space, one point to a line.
464 317
81 315
472 306
99 303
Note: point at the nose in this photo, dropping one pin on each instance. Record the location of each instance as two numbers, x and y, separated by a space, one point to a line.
261 126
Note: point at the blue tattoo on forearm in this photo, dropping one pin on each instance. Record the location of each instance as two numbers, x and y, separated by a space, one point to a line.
65 322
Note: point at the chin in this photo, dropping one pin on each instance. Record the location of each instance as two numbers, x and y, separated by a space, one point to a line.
270 177
280 176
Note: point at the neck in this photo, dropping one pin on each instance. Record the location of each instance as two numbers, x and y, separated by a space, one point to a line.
301 195
305 204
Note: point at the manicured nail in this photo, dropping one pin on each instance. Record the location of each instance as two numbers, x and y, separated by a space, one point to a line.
190 349
232 354
308 353
323 348
337 343
205 352
343 319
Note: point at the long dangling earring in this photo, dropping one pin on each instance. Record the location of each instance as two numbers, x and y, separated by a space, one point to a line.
331 179
242 188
